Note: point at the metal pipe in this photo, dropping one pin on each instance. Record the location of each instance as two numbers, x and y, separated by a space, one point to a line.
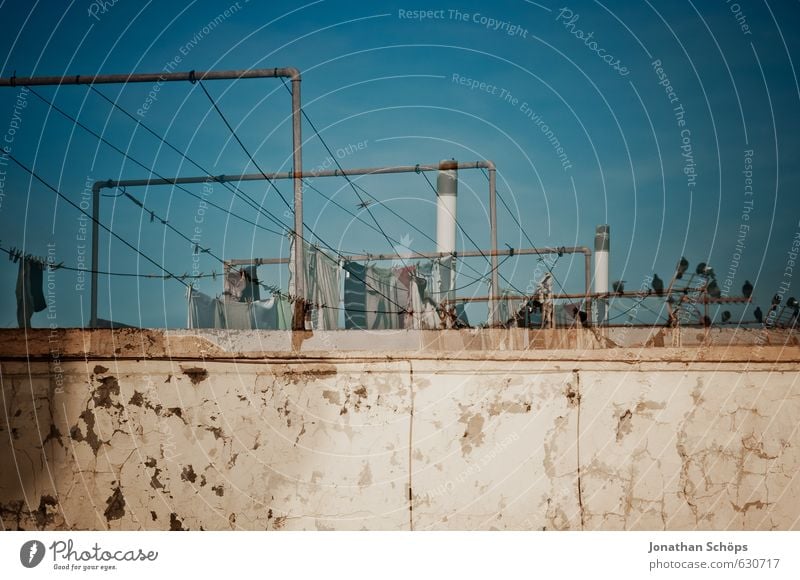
493 310
299 318
639 295
487 298
193 77
601 251
432 255
95 253
310 174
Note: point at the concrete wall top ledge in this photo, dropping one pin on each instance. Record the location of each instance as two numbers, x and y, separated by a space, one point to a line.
614 344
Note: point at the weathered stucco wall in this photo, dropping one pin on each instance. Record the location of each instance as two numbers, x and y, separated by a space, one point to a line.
175 430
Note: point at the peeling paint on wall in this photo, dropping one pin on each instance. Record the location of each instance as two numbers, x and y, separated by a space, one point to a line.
345 442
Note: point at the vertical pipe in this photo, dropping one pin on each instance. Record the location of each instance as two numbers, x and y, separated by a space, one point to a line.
587 274
95 253
493 218
446 207
298 320
602 238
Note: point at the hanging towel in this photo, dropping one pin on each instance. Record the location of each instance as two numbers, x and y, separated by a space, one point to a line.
272 314
381 302
252 290
233 315
355 296
326 291
29 292
264 314
322 292
430 318
403 276
202 310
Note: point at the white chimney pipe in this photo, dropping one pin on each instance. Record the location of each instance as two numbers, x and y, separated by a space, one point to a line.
602 245
446 197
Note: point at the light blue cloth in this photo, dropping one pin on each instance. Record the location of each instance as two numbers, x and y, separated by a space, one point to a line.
272 314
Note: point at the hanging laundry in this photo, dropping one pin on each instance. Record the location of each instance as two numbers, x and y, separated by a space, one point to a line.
430 318
439 275
232 315
324 290
508 309
30 295
252 289
444 272
403 277
461 316
202 310
322 286
241 284
381 302
264 314
355 296
416 299
234 284
272 314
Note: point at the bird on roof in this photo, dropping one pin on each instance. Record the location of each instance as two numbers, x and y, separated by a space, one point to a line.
683 265
618 286
792 302
747 289
759 315
776 299
657 285
713 289
726 315
704 269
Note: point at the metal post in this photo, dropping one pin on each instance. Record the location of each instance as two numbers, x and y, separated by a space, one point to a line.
493 311
587 277
299 318
95 252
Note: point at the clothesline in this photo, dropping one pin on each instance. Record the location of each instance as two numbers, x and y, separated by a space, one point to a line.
15 254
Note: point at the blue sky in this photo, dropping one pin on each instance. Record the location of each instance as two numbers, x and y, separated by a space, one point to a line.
375 74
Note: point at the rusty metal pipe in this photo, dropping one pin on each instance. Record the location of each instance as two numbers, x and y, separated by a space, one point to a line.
303 175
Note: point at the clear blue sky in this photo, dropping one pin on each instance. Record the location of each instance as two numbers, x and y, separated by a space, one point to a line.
376 74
